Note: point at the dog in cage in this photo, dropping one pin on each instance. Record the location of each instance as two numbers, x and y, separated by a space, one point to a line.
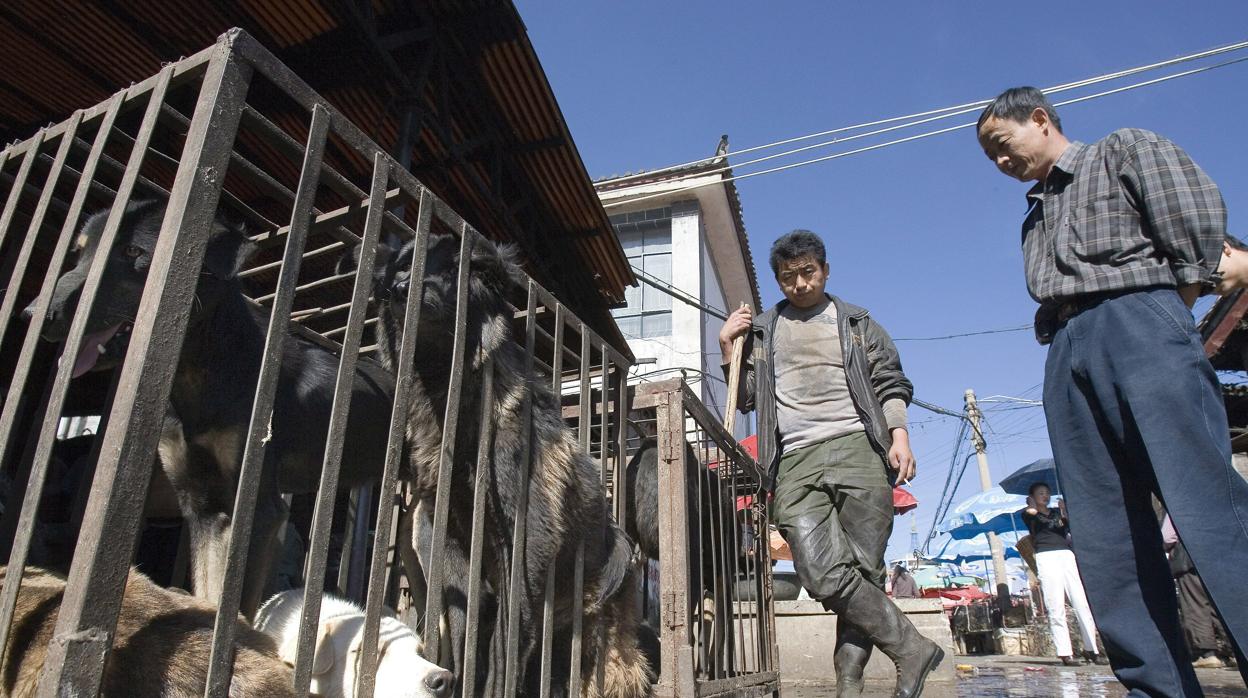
202 442
566 500
401 671
713 544
160 648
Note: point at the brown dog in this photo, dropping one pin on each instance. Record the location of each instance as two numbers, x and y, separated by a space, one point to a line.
161 646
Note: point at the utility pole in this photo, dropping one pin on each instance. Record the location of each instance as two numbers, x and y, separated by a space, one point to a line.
985 481
914 534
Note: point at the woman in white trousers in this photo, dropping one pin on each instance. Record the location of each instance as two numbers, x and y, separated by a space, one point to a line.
1059 575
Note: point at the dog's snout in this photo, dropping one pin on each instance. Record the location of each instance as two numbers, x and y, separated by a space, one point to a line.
440 683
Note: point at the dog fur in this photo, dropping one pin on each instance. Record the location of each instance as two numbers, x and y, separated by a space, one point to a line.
566 501
202 444
401 671
709 508
161 647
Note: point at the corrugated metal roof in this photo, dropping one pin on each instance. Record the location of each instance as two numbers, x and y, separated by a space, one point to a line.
492 142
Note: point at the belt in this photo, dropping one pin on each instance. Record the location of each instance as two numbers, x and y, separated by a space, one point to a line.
1072 307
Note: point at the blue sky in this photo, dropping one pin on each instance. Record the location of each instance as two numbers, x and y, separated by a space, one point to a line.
924 234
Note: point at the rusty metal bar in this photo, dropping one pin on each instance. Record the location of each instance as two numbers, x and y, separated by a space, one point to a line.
323 513
36 223
604 406
446 456
703 661
520 525
548 604
336 246
395 445
19 186
678 659
17 385
583 426
472 620
92 597
600 638
221 662
58 390
620 494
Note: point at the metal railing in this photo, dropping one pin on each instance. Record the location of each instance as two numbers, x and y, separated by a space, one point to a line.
475 432
717 616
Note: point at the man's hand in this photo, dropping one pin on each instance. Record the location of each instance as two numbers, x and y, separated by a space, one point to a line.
738 324
1061 506
1189 294
900 457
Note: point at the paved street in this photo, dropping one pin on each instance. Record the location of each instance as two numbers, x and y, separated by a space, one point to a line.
998 675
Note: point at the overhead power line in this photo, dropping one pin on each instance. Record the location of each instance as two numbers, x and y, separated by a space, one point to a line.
956 109
907 139
964 334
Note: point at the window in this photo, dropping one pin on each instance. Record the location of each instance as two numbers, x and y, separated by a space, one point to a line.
648 313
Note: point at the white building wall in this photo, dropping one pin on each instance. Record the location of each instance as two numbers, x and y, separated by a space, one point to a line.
694 339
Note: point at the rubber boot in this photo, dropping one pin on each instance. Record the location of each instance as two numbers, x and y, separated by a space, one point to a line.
880 621
850 659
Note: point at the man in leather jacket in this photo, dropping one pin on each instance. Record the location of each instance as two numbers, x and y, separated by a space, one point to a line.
830 379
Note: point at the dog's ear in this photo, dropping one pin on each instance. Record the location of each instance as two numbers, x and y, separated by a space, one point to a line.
384 255
495 273
324 658
228 249
496 266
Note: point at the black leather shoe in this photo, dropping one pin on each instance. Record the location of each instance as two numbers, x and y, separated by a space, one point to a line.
912 670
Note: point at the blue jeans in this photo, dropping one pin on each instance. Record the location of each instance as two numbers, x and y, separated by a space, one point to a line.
1134 409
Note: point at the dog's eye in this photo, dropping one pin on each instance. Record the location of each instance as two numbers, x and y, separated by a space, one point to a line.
133 251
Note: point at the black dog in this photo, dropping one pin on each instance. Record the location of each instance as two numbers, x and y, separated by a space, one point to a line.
711 544
201 447
566 501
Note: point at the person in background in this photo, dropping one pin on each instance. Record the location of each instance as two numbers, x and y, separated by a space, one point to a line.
1232 273
1059 575
1119 239
904 586
1205 630
831 382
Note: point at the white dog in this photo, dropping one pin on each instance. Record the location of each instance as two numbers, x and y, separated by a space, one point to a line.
401 671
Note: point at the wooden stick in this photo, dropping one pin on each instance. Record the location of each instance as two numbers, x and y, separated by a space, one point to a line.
734 383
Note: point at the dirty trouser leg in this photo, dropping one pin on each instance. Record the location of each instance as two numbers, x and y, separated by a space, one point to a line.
864 503
816 508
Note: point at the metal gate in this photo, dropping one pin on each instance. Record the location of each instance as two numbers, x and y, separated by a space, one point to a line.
231 131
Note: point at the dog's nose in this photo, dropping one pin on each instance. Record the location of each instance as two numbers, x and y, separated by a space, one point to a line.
29 311
440 683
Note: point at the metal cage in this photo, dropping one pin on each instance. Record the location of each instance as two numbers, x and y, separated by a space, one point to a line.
231 131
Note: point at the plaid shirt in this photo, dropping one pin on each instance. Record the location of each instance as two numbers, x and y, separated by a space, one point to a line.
1131 211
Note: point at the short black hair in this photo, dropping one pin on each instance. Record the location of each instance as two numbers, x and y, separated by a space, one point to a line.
1236 243
1017 104
1031 491
795 245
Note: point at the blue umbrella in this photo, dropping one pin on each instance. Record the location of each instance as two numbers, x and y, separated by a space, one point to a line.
992 511
1021 480
959 551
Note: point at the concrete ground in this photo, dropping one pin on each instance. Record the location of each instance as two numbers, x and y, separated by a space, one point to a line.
1002 675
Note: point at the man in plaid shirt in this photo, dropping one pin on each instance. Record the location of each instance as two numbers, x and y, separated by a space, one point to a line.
1119 239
